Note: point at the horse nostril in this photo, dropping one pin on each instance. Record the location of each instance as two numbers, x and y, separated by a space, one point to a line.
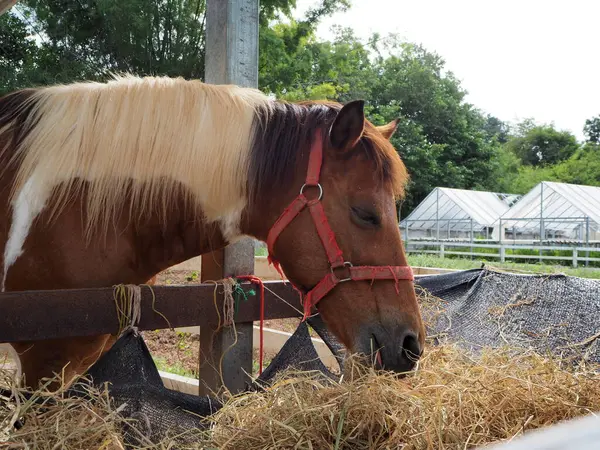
411 347
399 353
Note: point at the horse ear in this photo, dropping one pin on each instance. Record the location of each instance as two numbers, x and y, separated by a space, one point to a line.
389 129
348 126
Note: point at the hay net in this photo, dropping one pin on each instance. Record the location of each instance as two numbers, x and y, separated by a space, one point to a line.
550 314
136 387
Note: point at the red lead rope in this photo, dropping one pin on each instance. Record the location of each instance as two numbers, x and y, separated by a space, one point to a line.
327 237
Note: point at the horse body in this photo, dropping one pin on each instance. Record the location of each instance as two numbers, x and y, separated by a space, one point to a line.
57 255
113 183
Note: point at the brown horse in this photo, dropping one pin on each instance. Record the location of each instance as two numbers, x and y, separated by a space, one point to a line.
107 183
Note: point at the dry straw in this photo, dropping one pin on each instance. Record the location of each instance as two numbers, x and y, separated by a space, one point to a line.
452 402
51 420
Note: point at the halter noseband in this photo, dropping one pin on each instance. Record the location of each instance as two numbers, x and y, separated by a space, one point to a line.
327 236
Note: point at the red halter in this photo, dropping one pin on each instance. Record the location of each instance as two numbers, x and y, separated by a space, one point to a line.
334 253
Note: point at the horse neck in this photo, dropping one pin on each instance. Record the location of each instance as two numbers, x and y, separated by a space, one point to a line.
163 245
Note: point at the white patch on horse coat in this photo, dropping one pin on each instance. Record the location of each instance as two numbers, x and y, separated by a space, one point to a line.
27 206
230 226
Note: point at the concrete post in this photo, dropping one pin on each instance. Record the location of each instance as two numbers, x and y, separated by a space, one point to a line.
231 58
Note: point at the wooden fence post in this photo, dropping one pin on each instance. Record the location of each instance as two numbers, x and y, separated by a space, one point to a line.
231 58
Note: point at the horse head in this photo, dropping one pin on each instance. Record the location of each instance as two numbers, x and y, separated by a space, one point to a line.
334 230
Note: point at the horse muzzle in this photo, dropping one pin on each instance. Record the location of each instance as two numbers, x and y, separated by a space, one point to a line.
397 351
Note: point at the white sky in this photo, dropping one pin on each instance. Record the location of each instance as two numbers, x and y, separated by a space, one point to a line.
516 58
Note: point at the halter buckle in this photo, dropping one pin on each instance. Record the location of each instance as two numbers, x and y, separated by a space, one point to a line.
347 264
318 185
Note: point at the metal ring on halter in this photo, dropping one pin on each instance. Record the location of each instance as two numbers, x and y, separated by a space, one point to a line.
346 264
305 185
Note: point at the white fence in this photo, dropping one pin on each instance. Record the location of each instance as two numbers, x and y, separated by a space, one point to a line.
573 255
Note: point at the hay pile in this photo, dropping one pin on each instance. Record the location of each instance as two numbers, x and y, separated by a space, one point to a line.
453 401
51 420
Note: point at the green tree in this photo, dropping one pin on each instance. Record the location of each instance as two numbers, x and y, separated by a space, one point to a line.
540 145
529 176
583 167
17 50
443 141
305 68
592 130
496 129
89 40
506 171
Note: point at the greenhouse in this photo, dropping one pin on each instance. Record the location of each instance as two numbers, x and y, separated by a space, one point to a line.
457 214
554 212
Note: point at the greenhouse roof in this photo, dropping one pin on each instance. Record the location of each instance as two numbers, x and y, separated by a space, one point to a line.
459 206
557 201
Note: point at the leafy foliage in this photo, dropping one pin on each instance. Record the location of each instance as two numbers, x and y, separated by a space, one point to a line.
496 129
518 167
540 145
77 39
304 68
442 139
591 130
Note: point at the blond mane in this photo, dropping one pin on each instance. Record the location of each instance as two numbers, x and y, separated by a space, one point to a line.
158 132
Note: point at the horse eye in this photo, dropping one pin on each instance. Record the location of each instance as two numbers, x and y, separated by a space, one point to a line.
366 217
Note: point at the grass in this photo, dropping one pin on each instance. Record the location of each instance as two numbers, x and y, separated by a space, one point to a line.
255 367
464 264
176 369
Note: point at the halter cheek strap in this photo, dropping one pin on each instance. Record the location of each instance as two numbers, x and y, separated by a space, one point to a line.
327 237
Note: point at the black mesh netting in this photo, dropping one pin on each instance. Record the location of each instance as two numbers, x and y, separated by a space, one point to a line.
480 308
135 384
552 314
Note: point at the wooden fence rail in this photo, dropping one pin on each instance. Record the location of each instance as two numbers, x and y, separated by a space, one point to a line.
64 313
40 315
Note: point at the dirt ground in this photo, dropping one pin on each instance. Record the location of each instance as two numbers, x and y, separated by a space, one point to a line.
178 352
